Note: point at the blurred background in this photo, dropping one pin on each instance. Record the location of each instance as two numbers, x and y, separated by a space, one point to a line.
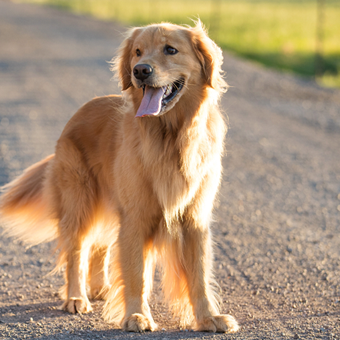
298 36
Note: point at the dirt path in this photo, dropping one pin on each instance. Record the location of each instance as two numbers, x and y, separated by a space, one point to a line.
277 225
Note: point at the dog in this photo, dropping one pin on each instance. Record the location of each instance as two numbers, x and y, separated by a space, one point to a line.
136 174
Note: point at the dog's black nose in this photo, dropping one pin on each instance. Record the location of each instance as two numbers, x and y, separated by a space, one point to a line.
142 71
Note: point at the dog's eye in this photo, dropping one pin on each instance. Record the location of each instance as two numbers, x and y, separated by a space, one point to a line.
138 52
170 50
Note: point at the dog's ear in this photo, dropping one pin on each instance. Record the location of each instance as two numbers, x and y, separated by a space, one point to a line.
210 56
122 63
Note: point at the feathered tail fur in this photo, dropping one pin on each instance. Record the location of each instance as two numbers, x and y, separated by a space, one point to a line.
24 207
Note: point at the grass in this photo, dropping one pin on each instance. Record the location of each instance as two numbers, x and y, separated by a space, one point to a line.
276 33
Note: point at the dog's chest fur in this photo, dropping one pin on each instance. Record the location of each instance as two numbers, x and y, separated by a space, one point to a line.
174 170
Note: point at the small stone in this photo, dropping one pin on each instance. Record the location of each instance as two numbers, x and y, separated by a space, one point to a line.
31 319
296 336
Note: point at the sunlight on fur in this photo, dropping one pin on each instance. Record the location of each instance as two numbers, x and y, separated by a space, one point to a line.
136 174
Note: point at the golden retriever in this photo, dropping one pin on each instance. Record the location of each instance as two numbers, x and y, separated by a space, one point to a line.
137 173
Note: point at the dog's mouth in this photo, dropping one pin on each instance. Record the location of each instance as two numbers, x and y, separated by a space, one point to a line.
156 99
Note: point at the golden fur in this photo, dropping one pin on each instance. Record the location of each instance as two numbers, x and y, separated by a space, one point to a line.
143 187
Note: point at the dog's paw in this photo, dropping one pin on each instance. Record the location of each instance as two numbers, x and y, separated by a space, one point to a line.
219 323
99 292
138 323
77 305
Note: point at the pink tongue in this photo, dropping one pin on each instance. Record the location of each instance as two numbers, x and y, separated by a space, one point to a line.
151 102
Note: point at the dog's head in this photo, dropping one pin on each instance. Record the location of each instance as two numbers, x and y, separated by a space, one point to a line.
165 61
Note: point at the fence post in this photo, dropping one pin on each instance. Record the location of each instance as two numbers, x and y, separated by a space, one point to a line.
319 63
215 19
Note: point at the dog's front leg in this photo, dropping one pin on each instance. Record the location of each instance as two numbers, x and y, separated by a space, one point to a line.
133 254
198 267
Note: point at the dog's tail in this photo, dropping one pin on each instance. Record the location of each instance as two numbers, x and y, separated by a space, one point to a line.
25 211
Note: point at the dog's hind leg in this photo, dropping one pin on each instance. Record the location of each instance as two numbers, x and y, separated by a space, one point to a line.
76 270
75 252
75 192
98 272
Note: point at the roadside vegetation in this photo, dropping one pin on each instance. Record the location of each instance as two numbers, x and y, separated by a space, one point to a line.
283 34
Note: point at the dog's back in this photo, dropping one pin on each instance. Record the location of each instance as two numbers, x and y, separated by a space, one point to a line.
28 205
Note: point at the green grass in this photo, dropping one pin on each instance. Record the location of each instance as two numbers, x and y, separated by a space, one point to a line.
276 33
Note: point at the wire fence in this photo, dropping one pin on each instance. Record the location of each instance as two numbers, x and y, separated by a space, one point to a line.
301 36
319 38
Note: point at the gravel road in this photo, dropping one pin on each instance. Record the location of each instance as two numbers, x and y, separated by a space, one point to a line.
278 220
